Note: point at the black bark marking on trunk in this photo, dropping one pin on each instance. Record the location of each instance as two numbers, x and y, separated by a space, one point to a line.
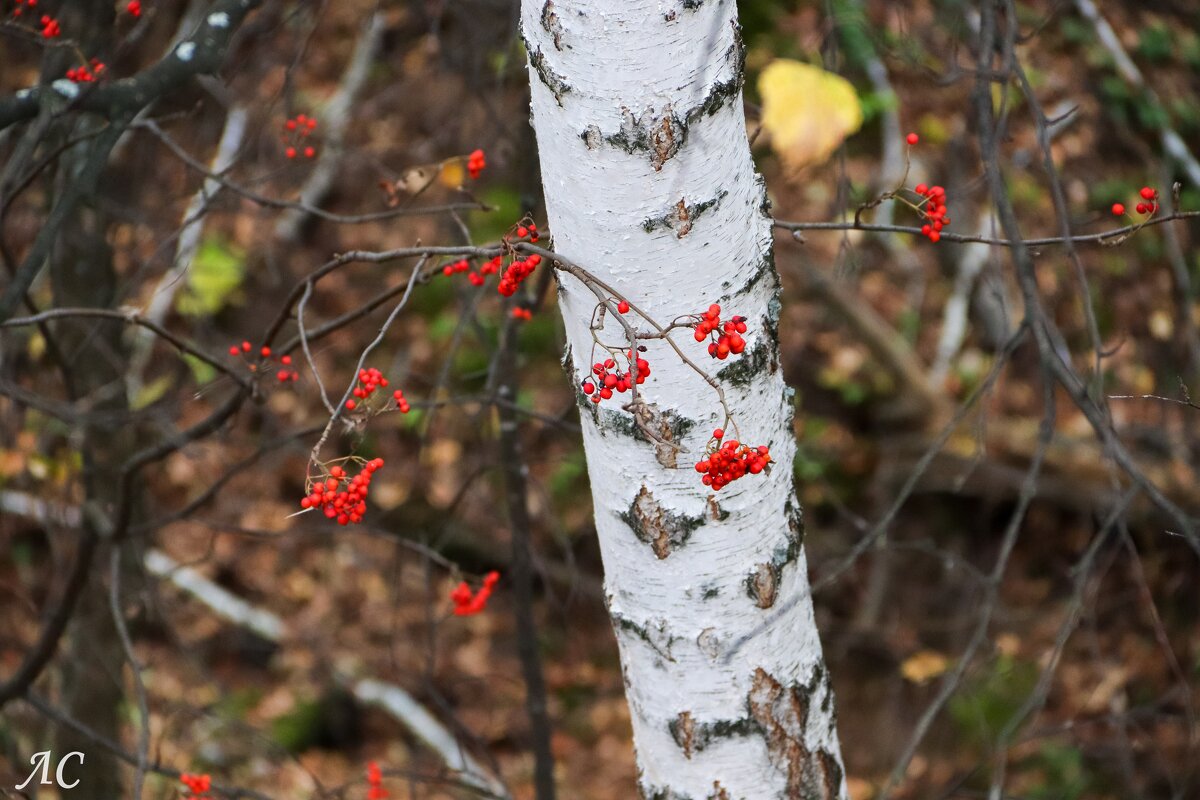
664 530
650 793
725 91
658 640
592 137
782 713
581 399
693 736
618 422
831 773
682 217
718 793
667 426
556 83
658 134
795 515
662 135
750 364
762 584
551 25
764 202
765 351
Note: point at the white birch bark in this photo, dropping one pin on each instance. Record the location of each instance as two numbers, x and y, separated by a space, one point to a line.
649 184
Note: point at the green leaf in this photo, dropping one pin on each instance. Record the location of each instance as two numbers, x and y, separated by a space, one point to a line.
213 280
151 393
202 371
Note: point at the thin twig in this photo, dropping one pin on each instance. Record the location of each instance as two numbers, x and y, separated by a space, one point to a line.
135 666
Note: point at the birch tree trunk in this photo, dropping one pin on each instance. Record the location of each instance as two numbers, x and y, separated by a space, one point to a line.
649 184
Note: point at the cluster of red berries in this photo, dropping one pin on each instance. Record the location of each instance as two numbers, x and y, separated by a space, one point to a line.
85 74
517 271
285 372
475 163
134 7
295 130
198 785
375 782
933 210
729 340
608 379
21 5
369 379
462 265
50 27
521 313
401 403
1149 205
490 267
349 504
725 463
466 603
528 229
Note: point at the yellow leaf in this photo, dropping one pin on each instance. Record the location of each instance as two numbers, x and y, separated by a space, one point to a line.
807 111
923 666
1162 327
453 173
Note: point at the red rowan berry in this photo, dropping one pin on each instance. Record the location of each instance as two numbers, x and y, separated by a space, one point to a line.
466 603
912 138
1118 210
623 307
476 163
375 782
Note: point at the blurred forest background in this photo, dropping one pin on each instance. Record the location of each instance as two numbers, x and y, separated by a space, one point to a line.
1067 654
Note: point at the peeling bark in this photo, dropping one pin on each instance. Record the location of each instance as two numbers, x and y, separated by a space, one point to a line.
762 585
664 530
